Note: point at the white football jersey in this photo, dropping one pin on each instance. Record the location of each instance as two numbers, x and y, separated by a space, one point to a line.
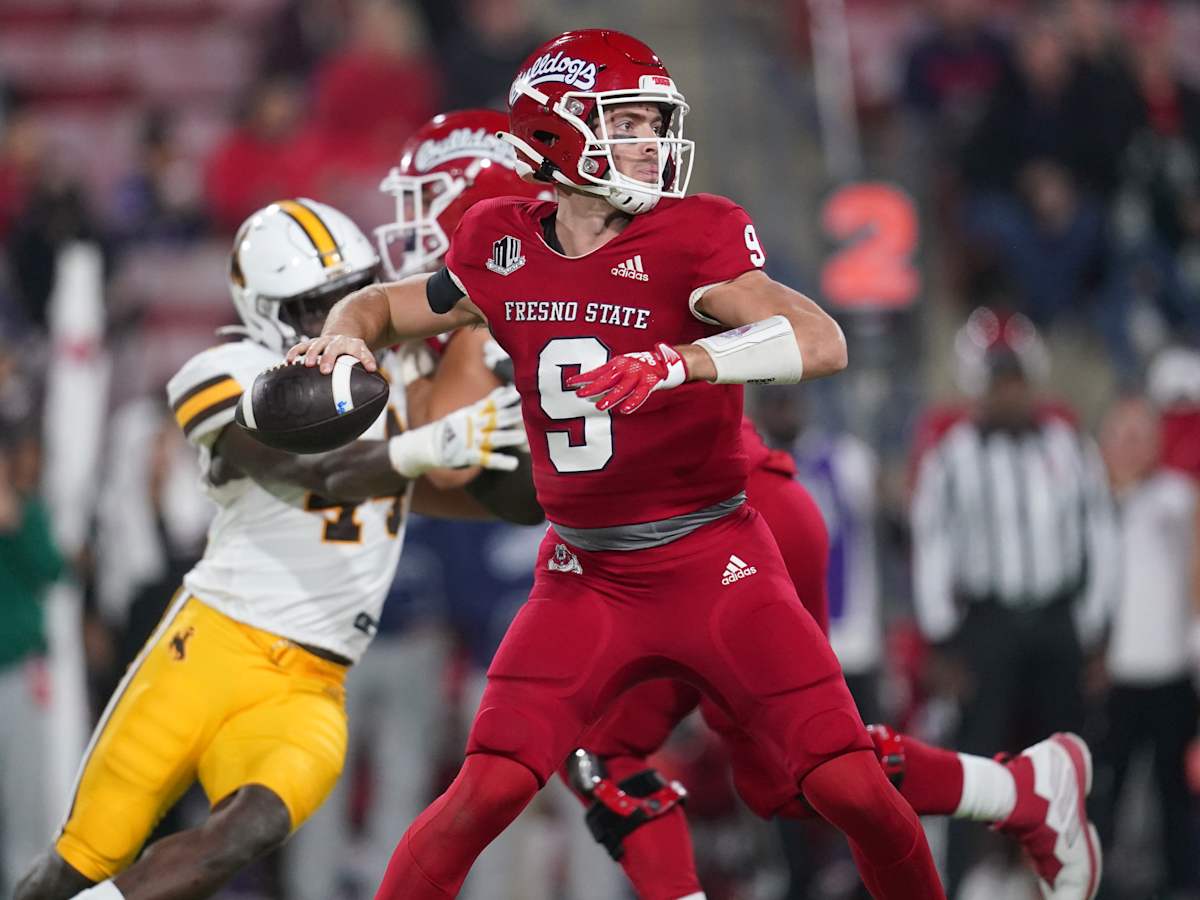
278 557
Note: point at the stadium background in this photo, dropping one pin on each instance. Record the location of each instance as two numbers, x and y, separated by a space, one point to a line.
877 144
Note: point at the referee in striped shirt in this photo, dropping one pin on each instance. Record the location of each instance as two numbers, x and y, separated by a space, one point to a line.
1014 551
1014 545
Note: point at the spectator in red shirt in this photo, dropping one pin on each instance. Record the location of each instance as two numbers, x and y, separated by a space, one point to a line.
370 97
250 168
367 100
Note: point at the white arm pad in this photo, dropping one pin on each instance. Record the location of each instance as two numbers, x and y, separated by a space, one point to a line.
759 353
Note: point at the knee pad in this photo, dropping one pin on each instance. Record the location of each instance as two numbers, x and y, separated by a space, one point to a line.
508 731
620 808
889 749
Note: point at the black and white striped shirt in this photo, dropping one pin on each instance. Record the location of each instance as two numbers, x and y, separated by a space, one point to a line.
1019 518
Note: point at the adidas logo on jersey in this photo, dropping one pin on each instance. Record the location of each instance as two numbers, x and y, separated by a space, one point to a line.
737 569
631 268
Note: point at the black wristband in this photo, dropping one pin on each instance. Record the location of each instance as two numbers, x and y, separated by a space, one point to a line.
441 291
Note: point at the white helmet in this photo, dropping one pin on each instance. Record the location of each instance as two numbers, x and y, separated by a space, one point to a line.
291 261
1174 378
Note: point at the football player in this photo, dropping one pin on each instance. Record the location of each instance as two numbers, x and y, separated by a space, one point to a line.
633 315
241 685
449 165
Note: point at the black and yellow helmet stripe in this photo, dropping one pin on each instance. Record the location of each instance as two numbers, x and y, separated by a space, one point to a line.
315 229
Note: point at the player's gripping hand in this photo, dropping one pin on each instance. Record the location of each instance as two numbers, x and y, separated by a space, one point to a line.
470 436
325 350
627 380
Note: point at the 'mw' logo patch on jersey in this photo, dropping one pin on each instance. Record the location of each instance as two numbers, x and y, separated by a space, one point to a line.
506 256
631 268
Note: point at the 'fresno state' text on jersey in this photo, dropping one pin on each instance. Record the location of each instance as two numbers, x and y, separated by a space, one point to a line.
558 315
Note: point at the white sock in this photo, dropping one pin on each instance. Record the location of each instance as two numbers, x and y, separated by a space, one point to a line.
989 792
105 890
696 896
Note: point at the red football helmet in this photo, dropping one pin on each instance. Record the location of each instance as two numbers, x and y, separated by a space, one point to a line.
556 110
989 342
452 162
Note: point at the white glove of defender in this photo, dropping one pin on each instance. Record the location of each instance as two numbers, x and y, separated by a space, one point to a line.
466 437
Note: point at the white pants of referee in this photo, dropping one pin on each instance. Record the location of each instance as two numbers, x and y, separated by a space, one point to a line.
24 803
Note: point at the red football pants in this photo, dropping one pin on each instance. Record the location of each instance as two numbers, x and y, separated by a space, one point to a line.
682 611
675 611
641 720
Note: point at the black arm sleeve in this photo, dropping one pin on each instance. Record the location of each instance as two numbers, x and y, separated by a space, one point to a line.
441 291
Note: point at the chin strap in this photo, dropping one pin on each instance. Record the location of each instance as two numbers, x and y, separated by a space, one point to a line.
628 200
234 329
631 200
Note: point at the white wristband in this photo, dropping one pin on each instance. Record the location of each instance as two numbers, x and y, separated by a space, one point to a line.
413 453
762 352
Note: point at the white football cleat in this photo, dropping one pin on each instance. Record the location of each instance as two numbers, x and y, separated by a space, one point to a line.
1050 819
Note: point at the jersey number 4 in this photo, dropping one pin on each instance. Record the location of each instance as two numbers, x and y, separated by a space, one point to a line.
341 519
585 444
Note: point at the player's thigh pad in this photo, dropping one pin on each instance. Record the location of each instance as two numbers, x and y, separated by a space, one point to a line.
143 753
760 774
786 687
558 656
291 737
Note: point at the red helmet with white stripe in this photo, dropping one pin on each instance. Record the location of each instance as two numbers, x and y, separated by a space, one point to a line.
556 112
452 162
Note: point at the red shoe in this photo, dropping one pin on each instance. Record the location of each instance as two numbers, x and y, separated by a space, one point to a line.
1050 820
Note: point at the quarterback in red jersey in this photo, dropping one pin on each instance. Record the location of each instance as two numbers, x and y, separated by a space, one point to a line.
654 305
454 162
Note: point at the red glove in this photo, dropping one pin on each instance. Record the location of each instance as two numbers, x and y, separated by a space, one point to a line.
630 378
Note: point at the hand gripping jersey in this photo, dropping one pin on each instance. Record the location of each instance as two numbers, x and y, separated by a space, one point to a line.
557 315
278 557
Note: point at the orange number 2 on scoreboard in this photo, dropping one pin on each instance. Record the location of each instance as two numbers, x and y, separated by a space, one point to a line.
877 223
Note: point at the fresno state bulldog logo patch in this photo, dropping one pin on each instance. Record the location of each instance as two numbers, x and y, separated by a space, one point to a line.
506 256
564 560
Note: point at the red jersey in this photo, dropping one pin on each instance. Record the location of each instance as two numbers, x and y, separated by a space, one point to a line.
760 456
557 315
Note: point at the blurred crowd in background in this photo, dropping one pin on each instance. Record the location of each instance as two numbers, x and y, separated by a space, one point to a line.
907 161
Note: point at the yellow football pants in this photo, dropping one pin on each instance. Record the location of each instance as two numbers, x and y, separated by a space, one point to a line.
208 698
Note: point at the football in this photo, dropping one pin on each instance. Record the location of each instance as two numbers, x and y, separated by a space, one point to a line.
299 409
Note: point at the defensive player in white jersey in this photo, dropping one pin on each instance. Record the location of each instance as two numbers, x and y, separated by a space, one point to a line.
241 685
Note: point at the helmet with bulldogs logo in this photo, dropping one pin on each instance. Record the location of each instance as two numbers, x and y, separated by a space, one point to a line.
451 163
556 112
